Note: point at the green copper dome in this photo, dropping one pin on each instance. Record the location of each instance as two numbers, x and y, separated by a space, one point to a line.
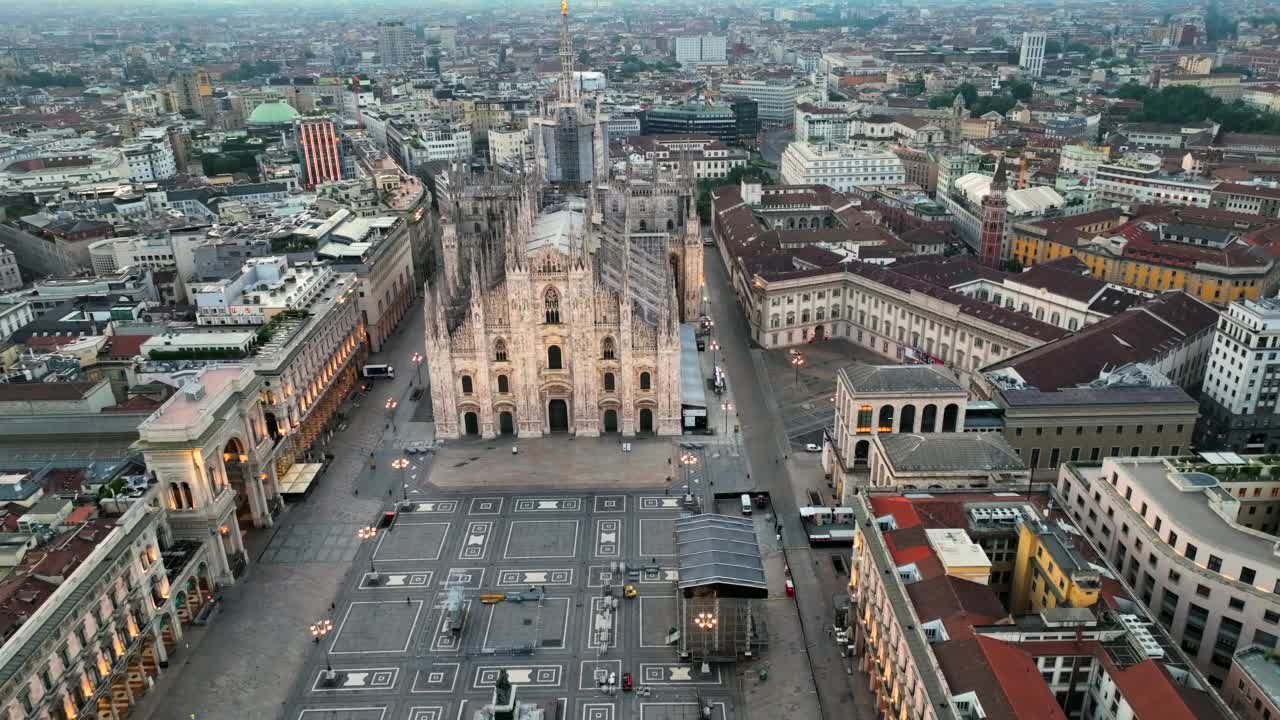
273 113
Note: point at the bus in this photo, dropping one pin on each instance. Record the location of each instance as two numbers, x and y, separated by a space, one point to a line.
379 371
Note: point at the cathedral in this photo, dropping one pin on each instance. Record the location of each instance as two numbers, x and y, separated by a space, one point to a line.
558 309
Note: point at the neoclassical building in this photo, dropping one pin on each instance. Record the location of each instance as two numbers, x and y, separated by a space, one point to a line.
562 317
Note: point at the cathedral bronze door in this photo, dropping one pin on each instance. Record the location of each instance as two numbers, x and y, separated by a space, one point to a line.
646 420
611 421
558 416
471 423
506 423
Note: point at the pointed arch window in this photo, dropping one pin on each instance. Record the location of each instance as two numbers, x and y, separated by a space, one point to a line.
551 302
500 350
607 350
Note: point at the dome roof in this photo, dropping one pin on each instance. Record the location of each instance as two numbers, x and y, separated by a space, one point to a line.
273 113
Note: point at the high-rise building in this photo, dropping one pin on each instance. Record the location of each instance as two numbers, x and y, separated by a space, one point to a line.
193 91
395 42
775 98
1031 58
994 208
318 141
701 50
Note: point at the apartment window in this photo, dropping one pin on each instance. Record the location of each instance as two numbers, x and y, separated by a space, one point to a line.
1075 454
1134 451
1159 522
1215 563
1159 428
1143 511
1115 451
1095 454
1247 575
1235 603
1264 639
1203 591
1270 617
1174 575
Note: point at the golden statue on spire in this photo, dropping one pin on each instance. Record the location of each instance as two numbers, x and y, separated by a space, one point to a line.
564 7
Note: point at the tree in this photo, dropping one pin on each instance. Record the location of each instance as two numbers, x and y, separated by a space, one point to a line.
1019 89
248 71
1132 91
584 58
999 43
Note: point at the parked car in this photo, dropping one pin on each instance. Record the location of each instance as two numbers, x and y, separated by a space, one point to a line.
626 682
813 447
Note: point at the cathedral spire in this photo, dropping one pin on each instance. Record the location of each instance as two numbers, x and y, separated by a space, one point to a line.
568 85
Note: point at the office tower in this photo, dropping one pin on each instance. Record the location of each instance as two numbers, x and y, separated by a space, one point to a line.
1032 57
318 141
395 42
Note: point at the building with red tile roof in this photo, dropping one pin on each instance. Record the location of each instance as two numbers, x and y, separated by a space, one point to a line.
954 641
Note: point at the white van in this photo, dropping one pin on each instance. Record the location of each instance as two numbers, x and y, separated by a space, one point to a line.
746 504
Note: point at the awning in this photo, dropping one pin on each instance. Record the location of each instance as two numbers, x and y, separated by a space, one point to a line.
297 481
693 391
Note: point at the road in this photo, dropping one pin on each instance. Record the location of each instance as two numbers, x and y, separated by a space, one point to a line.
765 443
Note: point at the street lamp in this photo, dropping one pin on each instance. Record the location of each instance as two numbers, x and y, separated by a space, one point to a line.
319 629
797 362
688 461
417 361
705 620
368 533
400 464
726 406
391 406
714 345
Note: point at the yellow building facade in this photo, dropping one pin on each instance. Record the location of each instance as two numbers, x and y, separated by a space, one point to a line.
1048 572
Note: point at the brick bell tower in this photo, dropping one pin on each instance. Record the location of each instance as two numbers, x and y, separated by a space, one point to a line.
994 211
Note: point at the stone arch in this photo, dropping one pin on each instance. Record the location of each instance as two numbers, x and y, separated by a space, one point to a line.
646 420
929 419
646 382
804 223
609 422
886 419
504 385
861 452
608 349
506 422
907 419
644 226
468 386
500 350
554 359
950 416
609 382
670 225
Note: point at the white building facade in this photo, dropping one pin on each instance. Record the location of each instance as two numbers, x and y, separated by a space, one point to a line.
842 167
1031 57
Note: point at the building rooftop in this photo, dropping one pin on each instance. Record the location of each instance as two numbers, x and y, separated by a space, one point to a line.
899 379
1263 668
1190 505
718 550
949 452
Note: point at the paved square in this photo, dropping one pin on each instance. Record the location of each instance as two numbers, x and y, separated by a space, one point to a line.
542 539
422 645
657 537
313 543
418 542
537 625
657 618
344 713
376 627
